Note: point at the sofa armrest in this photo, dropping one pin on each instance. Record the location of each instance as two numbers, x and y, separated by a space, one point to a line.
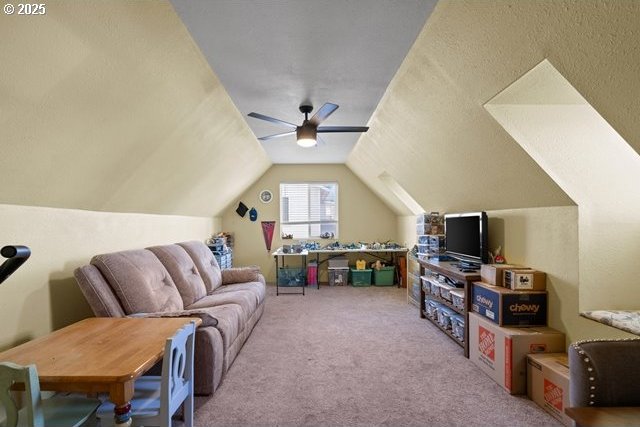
240 275
207 319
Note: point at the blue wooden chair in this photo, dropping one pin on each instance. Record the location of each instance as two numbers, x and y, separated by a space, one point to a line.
58 411
157 399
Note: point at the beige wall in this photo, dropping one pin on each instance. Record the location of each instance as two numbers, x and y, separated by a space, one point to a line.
592 164
407 230
110 106
547 239
42 295
362 215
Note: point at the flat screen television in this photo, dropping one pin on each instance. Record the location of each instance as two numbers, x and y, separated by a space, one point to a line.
465 236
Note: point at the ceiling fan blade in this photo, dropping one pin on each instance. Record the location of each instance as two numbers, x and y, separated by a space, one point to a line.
277 135
325 111
335 129
271 119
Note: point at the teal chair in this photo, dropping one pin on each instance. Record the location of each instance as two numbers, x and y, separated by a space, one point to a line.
156 399
58 411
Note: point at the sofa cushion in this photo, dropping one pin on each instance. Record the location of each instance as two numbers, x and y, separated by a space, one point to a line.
97 292
140 281
205 262
183 272
258 289
244 298
230 323
240 275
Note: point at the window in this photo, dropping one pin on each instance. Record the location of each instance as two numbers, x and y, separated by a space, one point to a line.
309 209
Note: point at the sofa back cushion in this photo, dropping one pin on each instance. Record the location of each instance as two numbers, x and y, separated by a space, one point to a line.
140 281
183 272
205 262
97 291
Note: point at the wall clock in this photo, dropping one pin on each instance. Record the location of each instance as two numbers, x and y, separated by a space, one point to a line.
266 196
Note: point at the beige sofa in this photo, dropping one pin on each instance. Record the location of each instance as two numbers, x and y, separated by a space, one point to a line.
180 280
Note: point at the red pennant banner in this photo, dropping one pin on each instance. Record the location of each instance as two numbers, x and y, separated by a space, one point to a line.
267 232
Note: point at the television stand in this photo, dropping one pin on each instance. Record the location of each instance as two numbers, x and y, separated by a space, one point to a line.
468 266
451 271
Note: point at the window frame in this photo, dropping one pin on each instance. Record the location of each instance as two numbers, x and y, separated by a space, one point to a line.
336 221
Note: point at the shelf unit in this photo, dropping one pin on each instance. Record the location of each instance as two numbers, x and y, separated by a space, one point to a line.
450 270
413 280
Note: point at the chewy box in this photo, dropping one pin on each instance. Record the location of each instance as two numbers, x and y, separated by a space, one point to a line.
493 274
501 352
384 276
360 277
548 383
525 279
509 308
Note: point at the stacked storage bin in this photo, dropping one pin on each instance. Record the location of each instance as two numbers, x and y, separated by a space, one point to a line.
430 233
222 253
338 271
312 274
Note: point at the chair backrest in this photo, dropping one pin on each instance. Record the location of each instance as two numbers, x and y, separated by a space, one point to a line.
177 372
11 373
605 373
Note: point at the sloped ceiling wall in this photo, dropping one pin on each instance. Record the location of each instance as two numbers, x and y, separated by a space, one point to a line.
110 106
431 132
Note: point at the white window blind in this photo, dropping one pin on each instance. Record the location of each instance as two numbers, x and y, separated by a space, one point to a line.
309 209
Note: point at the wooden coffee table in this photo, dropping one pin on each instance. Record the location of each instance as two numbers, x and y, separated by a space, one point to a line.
99 355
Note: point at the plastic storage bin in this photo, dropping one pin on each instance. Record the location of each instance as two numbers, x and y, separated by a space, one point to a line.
444 317
291 276
360 277
457 327
431 308
384 276
457 298
338 276
339 262
312 274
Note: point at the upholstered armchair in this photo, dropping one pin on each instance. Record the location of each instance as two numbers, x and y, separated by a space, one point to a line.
605 373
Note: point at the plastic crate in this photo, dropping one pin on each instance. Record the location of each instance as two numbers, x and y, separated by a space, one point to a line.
338 276
360 277
339 262
384 277
312 274
291 276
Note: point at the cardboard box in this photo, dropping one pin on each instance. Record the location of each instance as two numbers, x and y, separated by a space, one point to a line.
525 279
493 273
548 383
506 307
501 352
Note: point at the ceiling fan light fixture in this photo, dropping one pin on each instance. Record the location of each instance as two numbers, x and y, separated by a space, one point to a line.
306 135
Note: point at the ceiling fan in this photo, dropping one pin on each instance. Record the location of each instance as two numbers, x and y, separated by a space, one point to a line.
306 133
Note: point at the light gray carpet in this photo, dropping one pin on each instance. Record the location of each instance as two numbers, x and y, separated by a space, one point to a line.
357 356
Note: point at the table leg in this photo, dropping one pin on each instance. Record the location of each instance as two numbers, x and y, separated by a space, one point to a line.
317 271
304 266
277 268
122 415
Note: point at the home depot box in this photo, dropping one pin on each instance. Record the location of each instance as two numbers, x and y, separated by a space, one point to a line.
548 383
522 279
506 307
493 273
501 352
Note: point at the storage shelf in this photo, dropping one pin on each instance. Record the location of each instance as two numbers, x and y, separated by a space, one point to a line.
443 301
449 270
446 331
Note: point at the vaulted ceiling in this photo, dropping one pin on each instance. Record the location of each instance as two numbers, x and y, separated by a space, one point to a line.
118 106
